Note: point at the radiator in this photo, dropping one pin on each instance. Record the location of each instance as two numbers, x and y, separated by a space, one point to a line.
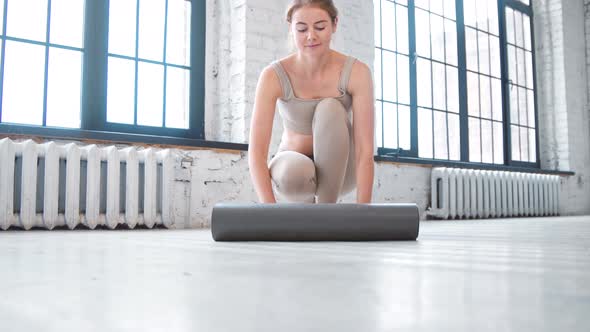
48 185
467 193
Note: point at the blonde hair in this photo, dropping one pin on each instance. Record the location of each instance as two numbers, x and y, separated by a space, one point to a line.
327 5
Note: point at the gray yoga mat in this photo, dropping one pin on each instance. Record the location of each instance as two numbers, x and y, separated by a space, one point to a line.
314 222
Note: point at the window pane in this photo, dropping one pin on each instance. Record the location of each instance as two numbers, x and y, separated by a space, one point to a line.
495 56
521 65
527 32
436 6
178 33
437 35
484 53
422 4
390 125
498 143
378 124
469 12
524 144
510 25
452 90
454 137
377 73
438 83
524 139
451 42
389 77
531 108
519 33
177 98
515 143
485 97
425 133
471 49
377 26
67 22
512 64
27 19
422 33
532 146
24 79
424 82
449 8
522 107
474 140
487 142
493 16
64 88
529 70
403 113
388 22
482 14
151 29
441 150
121 91
514 104
403 79
497 99
122 18
402 30
150 94
473 94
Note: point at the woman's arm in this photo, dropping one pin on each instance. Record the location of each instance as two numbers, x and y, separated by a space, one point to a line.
360 87
268 91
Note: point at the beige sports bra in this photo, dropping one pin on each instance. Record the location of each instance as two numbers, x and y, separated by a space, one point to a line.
297 113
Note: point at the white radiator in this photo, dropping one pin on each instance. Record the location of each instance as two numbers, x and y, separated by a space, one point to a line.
48 185
467 193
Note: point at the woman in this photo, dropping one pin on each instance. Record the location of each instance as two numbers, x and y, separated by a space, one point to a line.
317 91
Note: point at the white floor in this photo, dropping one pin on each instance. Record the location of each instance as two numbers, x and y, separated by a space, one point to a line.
491 275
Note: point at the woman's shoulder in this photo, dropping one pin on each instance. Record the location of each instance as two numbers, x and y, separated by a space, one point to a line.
361 76
270 82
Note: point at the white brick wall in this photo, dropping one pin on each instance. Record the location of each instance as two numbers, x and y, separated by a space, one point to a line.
562 81
578 195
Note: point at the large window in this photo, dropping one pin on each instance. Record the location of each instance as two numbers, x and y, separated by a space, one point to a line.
455 81
119 66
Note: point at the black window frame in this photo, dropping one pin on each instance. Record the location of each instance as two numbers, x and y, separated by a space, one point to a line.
94 87
411 155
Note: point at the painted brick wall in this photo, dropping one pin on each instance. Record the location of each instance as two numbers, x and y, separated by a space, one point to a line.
551 85
578 194
562 81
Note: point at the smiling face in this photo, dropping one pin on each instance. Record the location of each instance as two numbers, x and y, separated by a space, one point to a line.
312 29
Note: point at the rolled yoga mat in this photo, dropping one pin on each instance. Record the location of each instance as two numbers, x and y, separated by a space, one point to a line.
314 222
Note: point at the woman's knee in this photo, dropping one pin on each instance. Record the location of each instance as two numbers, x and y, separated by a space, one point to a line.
330 111
293 173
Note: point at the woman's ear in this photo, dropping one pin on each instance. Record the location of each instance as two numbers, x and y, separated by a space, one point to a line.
335 24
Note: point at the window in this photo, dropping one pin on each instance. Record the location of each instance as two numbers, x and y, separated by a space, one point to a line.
125 66
455 81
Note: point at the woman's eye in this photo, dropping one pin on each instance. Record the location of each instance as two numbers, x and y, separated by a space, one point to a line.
302 30
319 29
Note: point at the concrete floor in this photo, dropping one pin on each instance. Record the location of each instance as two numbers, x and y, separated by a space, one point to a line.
492 275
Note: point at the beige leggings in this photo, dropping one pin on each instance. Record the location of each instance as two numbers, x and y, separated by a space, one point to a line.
330 173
